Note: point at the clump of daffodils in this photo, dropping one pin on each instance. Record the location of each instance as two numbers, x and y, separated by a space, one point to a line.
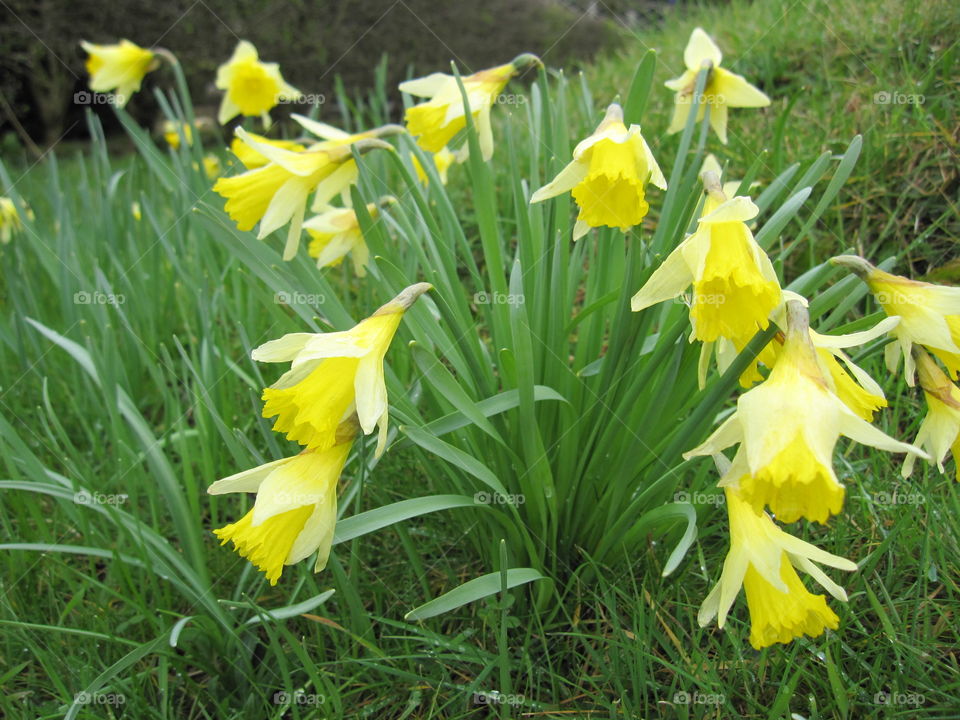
335 390
436 121
723 89
607 176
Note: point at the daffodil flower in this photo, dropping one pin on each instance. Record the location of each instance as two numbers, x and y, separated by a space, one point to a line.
940 429
763 560
10 222
212 167
735 287
723 88
442 160
788 427
336 233
435 122
295 511
929 315
172 130
334 375
118 68
276 193
252 88
607 176
252 159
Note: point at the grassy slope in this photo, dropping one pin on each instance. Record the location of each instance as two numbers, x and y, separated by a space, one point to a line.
626 644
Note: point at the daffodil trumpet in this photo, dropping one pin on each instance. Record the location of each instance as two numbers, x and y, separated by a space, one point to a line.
940 430
120 68
607 176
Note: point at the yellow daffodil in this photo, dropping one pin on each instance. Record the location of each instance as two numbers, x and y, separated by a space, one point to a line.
735 287
435 122
723 89
212 166
607 176
764 561
334 375
940 429
10 222
929 315
136 211
276 193
252 159
442 160
252 88
295 511
788 427
336 233
118 68
172 132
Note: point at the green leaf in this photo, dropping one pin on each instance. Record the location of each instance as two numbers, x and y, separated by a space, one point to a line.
373 520
471 591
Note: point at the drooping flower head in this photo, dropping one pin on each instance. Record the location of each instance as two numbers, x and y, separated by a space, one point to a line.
940 429
764 561
252 88
336 232
435 122
334 375
607 176
723 89
10 221
735 287
276 193
295 511
929 315
788 427
118 68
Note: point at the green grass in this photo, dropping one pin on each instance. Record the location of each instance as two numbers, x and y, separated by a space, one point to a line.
197 295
